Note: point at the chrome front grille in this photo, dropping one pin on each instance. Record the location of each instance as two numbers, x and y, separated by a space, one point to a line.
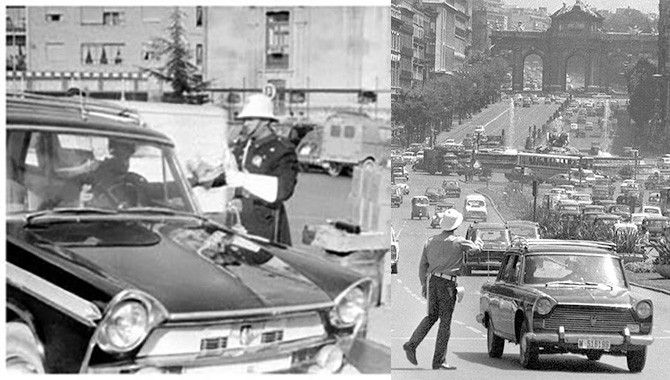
213 339
586 319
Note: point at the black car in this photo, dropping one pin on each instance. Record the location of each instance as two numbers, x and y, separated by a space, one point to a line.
495 237
111 269
555 297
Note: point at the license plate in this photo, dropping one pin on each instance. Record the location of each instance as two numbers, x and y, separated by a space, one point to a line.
594 344
271 365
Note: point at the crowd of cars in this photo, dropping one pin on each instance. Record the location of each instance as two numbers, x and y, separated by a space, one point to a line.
651 218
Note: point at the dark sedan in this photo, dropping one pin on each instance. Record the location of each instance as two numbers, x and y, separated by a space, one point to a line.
111 269
555 296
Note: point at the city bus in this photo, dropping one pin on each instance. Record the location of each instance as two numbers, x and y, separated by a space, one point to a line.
547 165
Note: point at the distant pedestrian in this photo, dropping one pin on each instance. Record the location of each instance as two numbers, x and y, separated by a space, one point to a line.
441 261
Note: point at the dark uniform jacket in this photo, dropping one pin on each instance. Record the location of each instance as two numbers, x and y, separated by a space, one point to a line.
275 156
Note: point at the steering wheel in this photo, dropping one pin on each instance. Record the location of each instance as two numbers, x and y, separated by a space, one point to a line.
125 190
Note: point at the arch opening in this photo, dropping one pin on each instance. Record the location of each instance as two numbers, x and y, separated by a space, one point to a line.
575 72
533 67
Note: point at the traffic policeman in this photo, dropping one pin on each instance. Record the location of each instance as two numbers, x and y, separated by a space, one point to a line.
440 264
268 171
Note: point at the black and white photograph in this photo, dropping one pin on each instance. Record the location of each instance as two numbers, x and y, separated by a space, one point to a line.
198 189
530 189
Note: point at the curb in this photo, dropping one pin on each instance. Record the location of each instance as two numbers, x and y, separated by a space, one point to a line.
652 288
495 208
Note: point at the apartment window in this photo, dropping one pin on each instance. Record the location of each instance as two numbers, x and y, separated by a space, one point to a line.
54 17
395 74
395 40
277 40
102 54
147 52
198 54
112 18
55 51
198 16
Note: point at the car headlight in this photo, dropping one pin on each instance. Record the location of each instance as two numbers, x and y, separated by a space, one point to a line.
544 305
128 321
643 309
125 328
350 307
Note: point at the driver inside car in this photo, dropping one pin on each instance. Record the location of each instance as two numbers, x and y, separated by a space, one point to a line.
109 185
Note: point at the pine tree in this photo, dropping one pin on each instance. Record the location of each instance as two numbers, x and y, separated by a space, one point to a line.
175 50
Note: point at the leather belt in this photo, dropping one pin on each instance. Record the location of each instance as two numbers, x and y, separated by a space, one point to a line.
445 276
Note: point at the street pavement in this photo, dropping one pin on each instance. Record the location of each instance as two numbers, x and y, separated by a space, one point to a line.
495 117
467 346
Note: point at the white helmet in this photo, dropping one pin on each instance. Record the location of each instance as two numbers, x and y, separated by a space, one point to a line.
258 106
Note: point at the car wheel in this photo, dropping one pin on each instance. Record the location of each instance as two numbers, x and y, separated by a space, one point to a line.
528 351
23 353
594 356
494 343
636 359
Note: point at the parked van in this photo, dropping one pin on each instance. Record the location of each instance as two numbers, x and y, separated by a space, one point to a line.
474 208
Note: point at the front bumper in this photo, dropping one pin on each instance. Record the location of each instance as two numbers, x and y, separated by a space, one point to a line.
569 341
299 357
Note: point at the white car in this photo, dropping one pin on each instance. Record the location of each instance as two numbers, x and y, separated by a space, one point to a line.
651 210
630 184
475 208
637 218
582 198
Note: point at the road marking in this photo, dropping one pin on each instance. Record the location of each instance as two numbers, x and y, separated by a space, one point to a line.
496 118
473 329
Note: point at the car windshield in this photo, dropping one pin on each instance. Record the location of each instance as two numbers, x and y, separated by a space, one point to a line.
475 203
569 207
51 170
570 269
493 236
524 231
649 210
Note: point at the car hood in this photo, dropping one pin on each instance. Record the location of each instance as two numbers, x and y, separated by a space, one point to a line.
588 295
170 260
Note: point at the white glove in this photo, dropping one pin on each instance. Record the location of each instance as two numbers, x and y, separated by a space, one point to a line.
262 186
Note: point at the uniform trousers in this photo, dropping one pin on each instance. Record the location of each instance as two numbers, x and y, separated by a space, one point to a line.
441 301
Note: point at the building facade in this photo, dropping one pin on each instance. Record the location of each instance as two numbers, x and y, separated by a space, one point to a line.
664 60
317 57
428 37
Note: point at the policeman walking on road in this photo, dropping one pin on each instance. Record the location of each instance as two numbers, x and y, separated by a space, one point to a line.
265 160
440 263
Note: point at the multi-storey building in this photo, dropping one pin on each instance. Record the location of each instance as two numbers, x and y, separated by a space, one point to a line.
528 19
429 36
319 58
664 60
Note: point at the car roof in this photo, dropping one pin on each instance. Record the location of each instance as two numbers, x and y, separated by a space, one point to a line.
64 114
475 197
656 217
527 246
488 225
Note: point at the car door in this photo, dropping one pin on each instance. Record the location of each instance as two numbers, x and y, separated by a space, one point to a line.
509 295
496 297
